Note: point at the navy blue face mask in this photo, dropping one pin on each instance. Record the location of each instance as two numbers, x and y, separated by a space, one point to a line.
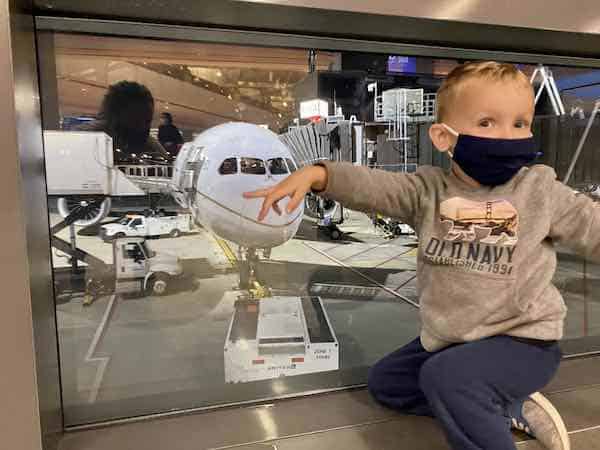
492 161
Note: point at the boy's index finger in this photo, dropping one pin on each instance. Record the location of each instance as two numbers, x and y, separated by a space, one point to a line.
257 193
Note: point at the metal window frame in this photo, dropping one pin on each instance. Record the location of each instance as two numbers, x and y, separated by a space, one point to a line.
238 36
32 365
290 40
314 21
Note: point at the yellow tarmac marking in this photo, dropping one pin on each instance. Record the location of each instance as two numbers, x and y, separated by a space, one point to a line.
413 252
229 253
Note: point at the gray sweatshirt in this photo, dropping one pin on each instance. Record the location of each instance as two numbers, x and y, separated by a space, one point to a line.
486 256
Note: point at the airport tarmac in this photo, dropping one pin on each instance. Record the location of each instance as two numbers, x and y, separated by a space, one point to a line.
122 357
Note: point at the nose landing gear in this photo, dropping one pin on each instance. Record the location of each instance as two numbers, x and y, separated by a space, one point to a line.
247 262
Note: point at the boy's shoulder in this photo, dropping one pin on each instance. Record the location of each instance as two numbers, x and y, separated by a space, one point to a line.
431 174
542 170
537 177
430 170
536 170
537 174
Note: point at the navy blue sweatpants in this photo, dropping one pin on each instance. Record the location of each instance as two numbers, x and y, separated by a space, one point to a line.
466 387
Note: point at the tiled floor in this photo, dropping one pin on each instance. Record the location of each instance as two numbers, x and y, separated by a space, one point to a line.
348 420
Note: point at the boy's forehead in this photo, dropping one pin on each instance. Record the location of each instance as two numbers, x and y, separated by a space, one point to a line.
487 94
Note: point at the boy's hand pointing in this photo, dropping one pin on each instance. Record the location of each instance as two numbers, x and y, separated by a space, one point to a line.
295 186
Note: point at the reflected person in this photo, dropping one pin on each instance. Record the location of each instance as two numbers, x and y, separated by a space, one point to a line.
169 135
126 116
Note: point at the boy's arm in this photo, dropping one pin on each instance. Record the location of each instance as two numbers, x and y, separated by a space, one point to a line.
575 221
372 190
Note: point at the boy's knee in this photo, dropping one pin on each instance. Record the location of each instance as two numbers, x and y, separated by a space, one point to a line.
375 380
428 378
381 380
435 376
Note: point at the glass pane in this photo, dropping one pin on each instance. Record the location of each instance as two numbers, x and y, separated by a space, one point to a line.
561 136
201 305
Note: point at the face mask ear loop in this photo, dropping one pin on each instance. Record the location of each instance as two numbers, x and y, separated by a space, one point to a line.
453 132
450 129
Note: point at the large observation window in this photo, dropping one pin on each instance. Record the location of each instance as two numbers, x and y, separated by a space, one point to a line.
172 333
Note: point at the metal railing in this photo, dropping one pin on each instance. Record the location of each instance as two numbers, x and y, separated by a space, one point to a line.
147 172
403 106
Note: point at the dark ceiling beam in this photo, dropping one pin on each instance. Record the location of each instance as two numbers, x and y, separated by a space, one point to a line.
328 23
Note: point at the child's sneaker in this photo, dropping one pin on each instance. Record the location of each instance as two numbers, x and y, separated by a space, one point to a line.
537 417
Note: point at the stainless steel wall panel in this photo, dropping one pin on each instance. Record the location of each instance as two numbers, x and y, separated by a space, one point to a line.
29 385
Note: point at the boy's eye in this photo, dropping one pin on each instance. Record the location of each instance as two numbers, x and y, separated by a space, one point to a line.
521 124
485 123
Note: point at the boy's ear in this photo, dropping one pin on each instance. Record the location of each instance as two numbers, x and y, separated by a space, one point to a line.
440 137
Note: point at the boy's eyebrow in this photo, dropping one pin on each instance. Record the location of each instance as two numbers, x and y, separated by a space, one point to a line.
487 115
526 116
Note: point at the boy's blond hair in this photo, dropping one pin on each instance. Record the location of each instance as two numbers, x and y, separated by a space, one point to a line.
490 70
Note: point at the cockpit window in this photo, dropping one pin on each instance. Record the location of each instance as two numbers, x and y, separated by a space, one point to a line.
228 167
277 166
253 166
291 164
